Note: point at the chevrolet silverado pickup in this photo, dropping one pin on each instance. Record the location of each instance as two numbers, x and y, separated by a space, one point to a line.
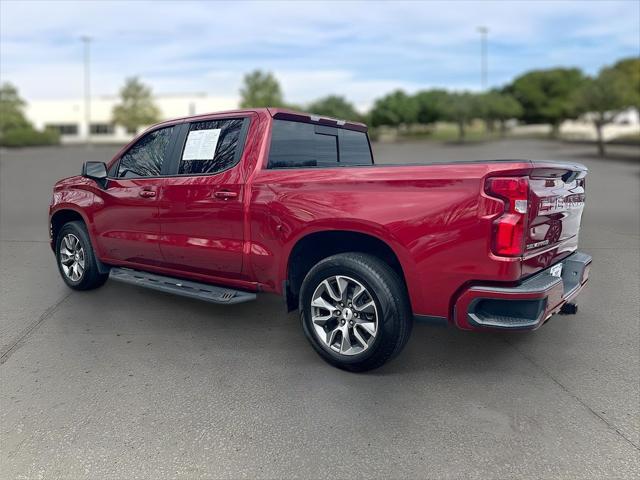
218 207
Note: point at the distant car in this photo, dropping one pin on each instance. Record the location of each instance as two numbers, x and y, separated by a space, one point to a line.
221 206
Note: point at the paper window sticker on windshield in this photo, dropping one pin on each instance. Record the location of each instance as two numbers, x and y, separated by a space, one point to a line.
201 144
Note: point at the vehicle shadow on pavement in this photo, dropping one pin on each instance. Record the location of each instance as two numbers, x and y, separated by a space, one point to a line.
263 332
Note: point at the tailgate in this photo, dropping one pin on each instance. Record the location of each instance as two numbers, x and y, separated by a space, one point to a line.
556 202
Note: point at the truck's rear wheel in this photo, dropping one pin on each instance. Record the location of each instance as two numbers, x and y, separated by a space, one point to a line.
76 259
354 311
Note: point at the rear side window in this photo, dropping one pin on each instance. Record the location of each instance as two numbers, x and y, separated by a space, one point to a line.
212 146
147 155
297 145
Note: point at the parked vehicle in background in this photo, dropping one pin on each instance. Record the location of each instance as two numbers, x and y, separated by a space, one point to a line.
221 206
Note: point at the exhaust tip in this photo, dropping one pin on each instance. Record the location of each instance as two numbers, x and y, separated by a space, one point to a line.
569 309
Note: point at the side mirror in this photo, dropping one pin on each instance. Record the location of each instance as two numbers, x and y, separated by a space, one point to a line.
96 171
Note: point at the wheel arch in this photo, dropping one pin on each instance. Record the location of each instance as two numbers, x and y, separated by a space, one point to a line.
64 215
59 218
315 246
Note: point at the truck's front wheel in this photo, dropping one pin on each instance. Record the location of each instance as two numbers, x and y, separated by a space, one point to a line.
76 258
355 311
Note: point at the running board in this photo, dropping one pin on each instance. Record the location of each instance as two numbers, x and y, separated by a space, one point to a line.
185 288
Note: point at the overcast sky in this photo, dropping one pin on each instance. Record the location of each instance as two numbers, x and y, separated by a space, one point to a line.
358 49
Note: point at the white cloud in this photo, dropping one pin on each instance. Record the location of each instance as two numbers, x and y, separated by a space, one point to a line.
358 49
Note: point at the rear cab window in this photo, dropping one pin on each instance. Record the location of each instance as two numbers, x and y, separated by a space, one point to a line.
305 145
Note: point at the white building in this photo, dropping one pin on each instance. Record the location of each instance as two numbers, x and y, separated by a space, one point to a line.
625 123
68 116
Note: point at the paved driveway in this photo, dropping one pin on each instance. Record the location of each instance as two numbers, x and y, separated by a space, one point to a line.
123 382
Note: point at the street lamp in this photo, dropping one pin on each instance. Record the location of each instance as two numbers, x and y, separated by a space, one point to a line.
484 31
86 40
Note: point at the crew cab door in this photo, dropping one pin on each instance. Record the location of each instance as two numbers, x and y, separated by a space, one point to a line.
201 210
127 225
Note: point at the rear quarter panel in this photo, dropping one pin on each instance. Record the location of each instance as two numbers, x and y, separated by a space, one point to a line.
436 218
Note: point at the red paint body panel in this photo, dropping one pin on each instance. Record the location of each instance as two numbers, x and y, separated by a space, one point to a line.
437 219
127 225
201 232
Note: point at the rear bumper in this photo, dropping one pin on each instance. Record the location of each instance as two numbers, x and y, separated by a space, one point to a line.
525 306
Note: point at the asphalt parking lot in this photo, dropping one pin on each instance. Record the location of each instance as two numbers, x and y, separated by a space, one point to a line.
123 382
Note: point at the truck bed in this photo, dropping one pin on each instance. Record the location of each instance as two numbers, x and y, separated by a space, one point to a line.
437 218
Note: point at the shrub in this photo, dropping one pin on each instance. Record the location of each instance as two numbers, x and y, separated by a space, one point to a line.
29 137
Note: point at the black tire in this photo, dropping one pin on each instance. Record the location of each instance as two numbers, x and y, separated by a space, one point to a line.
391 301
91 277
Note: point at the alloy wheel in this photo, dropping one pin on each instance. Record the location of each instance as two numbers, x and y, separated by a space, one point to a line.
72 258
344 315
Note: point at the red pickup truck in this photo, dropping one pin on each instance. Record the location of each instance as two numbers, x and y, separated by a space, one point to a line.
221 206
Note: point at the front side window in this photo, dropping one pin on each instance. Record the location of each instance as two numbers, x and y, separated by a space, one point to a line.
211 146
147 155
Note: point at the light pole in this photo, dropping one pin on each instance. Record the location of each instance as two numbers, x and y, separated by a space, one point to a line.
86 40
484 31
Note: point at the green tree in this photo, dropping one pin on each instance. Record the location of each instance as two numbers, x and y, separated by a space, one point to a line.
602 98
11 109
136 106
260 89
15 129
394 109
629 69
336 107
498 107
547 96
461 108
431 105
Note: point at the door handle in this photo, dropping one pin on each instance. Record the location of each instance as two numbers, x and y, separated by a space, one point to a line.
225 194
147 193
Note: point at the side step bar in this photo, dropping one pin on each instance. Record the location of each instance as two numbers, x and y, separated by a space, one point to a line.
185 288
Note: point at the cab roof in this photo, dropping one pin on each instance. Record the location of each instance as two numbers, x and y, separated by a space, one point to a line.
276 113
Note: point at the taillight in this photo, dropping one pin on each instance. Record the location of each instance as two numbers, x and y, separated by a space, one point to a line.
509 228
